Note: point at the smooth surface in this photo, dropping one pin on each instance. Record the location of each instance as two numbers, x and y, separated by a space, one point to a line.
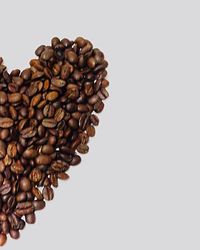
139 186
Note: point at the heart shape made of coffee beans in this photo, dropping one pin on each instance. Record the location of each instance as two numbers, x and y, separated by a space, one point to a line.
47 114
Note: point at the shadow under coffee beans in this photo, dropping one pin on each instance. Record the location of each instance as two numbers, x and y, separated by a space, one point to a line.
47 114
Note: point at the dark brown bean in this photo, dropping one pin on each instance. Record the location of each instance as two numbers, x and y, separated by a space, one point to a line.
25 184
51 96
48 193
3 97
35 175
14 234
58 82
49 123
2 149
6 122
30 153
83 148
3 239
76 160
39 205
30 218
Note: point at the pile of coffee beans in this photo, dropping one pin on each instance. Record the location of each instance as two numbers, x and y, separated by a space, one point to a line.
47 115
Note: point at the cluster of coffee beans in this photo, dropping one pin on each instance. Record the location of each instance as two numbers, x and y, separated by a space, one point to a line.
47 114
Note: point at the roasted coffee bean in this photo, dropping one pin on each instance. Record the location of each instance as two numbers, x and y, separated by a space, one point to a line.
36 192
94 119
48 193
47 149
26 74
14 98
2 149
83 148
43 159
72 57
63 176
21 197
17 167
90 131
39 205
35 175
5 188
30 153
59 114
28 132
3 239
76 160
6 122
51 96
30 218
12 150
25 184
14 234
49 123
58 82
59 166
24 208
5 227
3 98
47 54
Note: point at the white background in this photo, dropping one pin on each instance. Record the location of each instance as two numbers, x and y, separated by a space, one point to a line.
138 188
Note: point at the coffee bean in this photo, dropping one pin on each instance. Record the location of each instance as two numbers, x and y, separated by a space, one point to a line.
6 122
59 166
81 42
83 148
63 176
36 174
35 100
17 167
49 123
90 131
47 54
58 82
48 193
28 132
47 149
76 160
25 184
39 205
30 218
95 120
65 71
5 227
91 62
72 57
30 153
51 96
21 197
3 97
14 98
39 50
26 74
12 150
93 99
3 239
2 149
5 188
24 208
14 234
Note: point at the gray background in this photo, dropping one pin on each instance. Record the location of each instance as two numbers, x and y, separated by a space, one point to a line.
138 188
